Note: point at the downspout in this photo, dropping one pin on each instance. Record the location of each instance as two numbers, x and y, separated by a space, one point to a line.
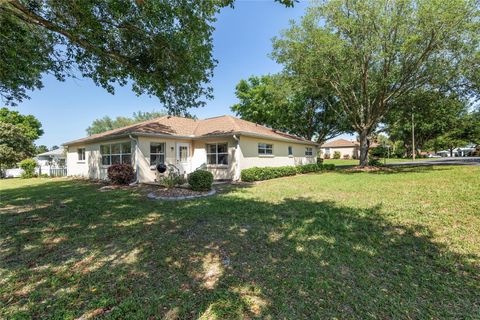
237 156
136 159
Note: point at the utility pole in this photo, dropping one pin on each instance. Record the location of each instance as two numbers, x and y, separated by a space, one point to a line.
413 136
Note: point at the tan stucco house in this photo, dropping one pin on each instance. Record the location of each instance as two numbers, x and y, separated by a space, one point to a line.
223 145
345 147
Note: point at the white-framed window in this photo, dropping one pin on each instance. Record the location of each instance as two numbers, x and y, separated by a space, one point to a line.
309 151
327 151
81 154
265 149
116 153
217 153
157 153
290 151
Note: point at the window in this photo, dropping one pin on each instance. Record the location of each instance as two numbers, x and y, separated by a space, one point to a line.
81 154
116 153
290 151
217 154
309 151
327 151
157 153
265 149
183 153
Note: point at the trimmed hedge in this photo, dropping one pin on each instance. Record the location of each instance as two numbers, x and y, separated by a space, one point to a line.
329 167
200 180
266 173
307 168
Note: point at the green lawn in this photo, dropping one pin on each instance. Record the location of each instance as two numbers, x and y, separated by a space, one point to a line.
342 162
394 245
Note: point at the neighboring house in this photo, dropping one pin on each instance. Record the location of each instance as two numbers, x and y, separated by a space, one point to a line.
345 147
466 151
52 162
223 145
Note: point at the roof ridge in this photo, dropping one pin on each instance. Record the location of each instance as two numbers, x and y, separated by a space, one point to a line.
233 120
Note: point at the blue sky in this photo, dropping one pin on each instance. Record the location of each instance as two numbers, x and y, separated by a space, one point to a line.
242 43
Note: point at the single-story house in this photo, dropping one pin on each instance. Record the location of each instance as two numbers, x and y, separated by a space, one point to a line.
347 148
223 145
53 159
51 163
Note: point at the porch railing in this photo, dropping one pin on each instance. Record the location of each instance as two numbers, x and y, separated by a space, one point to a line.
57 172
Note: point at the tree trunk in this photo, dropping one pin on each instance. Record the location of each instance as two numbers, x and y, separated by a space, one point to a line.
451 152
363 148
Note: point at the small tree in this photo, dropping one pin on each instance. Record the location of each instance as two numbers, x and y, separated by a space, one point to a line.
15 145
28 166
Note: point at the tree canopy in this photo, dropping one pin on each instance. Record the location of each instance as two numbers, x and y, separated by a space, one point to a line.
370 53
163 48
15 144
31 126
106 123
434 114
280 102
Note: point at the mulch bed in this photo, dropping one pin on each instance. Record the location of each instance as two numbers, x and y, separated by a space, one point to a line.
177 192
367 169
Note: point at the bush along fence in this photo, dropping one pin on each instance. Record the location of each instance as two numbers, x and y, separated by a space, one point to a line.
266 173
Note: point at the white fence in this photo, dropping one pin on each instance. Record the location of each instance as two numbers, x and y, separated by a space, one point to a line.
52 172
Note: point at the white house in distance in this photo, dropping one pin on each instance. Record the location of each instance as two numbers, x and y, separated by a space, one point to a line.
52 162
223 145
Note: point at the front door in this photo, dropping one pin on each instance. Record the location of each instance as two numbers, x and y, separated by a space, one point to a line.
183 157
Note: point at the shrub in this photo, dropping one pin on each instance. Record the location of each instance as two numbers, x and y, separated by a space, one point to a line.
266 173
346 156
121 173
319 161
326 156
28 166
306 168
336 155
374 162
172 178
329 167
200 180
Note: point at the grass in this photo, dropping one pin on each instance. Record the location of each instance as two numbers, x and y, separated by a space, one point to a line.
335 245
353 162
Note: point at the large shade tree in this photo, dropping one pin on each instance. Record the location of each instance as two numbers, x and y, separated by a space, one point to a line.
372 52
164 48
281 102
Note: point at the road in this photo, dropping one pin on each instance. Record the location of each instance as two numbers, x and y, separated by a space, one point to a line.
460 161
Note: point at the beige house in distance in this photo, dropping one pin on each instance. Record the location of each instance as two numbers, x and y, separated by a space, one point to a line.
345 147
223 145
350 148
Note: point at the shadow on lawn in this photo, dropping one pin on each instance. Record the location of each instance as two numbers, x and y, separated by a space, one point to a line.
67 250
399 170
